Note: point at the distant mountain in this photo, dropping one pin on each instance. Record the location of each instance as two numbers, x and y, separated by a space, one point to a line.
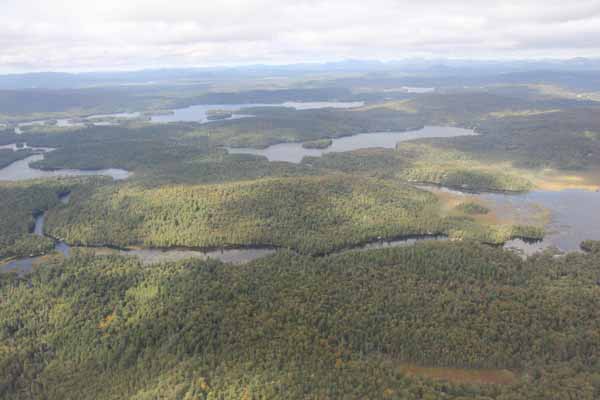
421 67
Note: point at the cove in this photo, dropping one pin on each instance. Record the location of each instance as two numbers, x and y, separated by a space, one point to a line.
573 215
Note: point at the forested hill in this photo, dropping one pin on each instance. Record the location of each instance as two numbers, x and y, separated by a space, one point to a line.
350 326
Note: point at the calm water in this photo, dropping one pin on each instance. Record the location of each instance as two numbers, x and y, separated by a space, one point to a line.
314 105
574 216
294 152
20 170
419 90
78 122
195 113
198 113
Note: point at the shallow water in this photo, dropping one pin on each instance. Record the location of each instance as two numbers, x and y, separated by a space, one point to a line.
573 215
294 152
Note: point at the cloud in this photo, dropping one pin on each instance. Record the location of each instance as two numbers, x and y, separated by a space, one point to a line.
113 34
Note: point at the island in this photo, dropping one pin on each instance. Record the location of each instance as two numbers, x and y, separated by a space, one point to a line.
317 144
215 115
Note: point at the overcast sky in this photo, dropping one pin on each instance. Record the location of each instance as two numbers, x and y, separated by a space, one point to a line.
124 34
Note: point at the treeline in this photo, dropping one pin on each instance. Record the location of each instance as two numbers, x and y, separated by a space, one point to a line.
299 327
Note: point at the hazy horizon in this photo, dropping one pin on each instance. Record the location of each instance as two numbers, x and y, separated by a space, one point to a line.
112 35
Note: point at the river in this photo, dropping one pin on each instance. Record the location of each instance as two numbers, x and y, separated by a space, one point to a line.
148 257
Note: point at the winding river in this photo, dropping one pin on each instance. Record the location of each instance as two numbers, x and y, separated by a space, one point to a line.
147 256
573 214
24 266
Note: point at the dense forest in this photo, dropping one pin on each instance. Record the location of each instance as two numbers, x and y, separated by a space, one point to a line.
289 326
311 215
21 202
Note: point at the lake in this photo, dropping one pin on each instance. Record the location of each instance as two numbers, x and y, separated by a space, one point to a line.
574 217
569 216
198 113
195 113
21 170
294 152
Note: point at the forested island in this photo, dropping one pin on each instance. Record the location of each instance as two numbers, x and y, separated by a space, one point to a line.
317 144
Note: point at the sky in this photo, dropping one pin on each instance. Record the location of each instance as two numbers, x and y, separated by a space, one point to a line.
83 35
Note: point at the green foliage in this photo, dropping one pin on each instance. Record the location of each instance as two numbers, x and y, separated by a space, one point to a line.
20 203
317 144
372 162
312 215
292 326
592 246
542 140
456 169
309 214
271 125
472 208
